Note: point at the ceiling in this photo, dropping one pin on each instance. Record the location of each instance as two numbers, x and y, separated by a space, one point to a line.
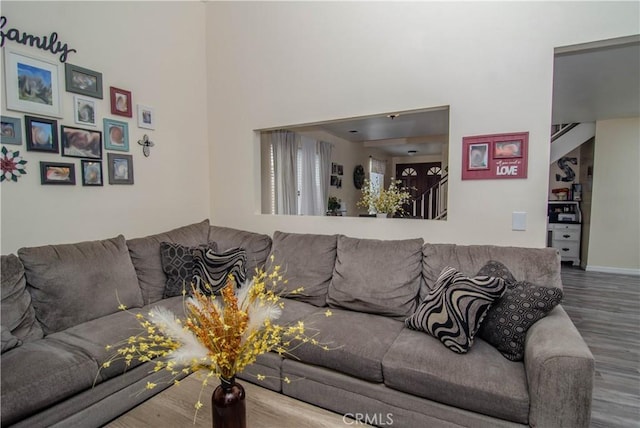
592 81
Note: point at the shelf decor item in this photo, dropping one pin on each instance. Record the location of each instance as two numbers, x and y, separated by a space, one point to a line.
219 335
384 201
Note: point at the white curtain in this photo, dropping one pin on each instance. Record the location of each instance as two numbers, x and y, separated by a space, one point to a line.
324 174
285 151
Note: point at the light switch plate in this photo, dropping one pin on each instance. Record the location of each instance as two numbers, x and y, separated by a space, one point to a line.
519 220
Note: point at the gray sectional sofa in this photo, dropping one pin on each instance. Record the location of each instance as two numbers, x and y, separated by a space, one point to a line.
60 308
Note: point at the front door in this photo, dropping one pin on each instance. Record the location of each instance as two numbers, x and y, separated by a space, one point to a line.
419 177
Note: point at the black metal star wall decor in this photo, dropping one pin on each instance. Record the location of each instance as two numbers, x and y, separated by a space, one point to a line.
146 144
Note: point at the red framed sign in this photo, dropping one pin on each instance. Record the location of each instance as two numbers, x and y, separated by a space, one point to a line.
495 156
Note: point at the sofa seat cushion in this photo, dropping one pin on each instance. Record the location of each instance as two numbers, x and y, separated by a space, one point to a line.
39 374
307 261
74 283
257 245
379 277
92 337
357 342
480 380
19 322
145 255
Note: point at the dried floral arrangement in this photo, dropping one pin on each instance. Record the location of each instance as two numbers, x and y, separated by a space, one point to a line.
220 335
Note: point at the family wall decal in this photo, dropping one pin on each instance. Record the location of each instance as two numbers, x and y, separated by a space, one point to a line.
46 43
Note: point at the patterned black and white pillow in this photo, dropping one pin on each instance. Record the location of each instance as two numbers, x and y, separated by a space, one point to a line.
508 320
177 264
455 307
211 269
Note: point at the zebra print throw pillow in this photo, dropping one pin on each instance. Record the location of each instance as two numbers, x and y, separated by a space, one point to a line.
211 269
453 310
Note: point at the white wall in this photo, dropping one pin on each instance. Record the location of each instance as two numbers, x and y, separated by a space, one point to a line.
275 64
614 242
156 50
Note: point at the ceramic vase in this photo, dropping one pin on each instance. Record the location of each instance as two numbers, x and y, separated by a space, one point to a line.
228 405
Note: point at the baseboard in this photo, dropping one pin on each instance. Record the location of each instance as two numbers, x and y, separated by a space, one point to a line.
608 269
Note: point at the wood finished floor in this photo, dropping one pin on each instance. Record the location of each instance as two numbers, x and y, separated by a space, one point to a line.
606 310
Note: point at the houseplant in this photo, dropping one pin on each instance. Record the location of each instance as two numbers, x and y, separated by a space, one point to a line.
333 205
384 201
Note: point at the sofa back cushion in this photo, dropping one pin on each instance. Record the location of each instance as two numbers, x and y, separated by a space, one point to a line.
256 245
537 265
145 255
307 261
19 322
380 277
73 283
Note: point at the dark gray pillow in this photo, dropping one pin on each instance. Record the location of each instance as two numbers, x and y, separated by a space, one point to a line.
522 305
498 270
145 255
18 315
306 260
73 283
377 276
455 308
177 264
211 270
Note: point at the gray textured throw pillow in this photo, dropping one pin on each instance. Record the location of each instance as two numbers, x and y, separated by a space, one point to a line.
455 308
177 264
522 305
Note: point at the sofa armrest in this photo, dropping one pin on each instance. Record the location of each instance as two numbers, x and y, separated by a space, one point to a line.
560 370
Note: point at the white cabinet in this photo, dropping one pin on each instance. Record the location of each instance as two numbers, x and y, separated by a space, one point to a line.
566 239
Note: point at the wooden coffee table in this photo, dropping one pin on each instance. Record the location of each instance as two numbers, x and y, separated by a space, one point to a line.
174 407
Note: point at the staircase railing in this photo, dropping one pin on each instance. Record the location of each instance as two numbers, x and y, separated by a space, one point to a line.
432 204
558 131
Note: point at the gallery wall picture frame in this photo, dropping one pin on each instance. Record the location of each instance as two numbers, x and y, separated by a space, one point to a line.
121 104
116 135
10 130
120 168
91 172
83 81
146 117
57 173
85 111
478 156
81 143
33 84
42 134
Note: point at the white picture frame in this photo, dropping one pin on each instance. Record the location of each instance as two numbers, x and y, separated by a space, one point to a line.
146 117
33 84
85 111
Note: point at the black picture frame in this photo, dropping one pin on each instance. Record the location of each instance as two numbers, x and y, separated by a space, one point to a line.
42 134
120 168
81 143
83 81
57 173
91 171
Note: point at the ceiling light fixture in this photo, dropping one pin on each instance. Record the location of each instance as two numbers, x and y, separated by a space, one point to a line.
354 131
393 115
412 152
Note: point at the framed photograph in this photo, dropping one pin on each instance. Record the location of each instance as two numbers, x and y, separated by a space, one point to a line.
10 130
91 173
83 81
32 84
57 173
120 168
120 102
340 170
478 156
146 117
81 143
42 134
84 111
116 135
507 149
